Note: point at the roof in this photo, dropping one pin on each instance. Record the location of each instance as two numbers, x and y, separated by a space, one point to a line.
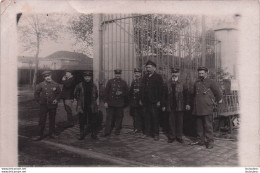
80 60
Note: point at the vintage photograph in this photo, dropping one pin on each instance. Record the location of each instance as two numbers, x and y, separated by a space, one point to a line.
128 90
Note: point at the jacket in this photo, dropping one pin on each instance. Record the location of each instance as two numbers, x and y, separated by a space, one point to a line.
151 88
178 96
206 93
68 88
135 97
111 95
79 95
46 92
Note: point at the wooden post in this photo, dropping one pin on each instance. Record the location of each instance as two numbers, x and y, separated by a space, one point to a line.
203 35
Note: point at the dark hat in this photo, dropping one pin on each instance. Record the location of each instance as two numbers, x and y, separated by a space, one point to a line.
203 68
118 71
87 73
175 70
137 70
149 62
46 73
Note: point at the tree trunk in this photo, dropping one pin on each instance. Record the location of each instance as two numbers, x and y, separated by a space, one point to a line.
36 63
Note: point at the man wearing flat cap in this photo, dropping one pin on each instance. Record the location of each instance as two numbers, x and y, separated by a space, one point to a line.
86 94
206 94
177 103
136 110
152 84
115 99
47 95
67 95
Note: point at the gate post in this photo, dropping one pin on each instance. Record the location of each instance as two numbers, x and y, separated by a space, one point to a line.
203 35
97 49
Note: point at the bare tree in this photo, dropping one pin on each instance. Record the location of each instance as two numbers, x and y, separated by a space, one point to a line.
33 30
81 26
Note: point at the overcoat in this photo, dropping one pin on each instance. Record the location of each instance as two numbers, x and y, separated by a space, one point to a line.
79 95
206 94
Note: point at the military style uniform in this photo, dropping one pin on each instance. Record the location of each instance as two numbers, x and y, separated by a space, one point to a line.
116 96
45 94
206 93
178 98
136 110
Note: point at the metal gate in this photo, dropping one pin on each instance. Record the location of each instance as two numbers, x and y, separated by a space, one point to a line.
129 40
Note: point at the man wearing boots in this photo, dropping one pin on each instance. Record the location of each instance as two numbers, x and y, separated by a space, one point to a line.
86 95
47 95
178 102
136 109
206 94
115 99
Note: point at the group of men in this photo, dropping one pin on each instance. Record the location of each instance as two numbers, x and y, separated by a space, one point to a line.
148 95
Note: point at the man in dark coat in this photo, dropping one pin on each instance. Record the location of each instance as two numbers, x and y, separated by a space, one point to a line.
206 94
178 102
136 110
86 95
152 84
67 95
115 99
47 95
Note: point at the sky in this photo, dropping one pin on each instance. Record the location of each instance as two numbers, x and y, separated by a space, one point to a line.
65 42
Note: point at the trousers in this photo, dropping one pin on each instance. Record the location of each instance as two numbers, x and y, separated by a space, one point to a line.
138 118
44 111
115 114
204 125
175 124
151 120
88 122
68 108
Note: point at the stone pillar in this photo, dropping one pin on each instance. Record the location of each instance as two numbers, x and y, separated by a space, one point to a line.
229 48
97 48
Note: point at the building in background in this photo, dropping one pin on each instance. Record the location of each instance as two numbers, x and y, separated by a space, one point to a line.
57 62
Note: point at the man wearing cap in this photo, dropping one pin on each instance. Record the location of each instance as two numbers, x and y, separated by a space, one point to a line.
86 95
206 94
67 95
178 102
136 110
47 95
115 99
152 84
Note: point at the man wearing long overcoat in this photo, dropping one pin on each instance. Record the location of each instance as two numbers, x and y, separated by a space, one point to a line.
86 95
152 85
206 94
115 100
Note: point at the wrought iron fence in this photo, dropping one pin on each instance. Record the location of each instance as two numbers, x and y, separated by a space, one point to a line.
129 40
